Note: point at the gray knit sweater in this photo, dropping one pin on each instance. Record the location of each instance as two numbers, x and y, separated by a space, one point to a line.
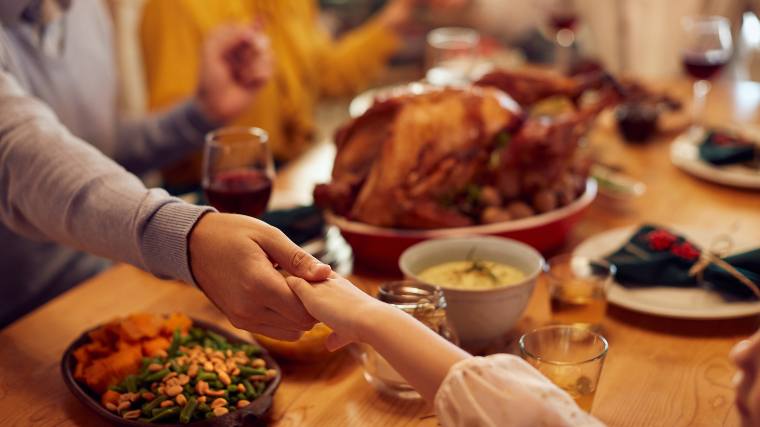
55 187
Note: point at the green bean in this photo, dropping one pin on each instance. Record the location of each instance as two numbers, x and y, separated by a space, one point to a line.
207 376
164 413
118 388
248 371
174 346
241 396
188 389
260 387
197 333
251 350
231 388
147 409
188 411
130 382
208 342
216 385
249 390
203 407
145 362
187 339
210 415
156 376
216 337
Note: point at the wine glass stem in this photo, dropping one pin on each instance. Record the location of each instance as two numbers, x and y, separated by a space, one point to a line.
701 88
562 57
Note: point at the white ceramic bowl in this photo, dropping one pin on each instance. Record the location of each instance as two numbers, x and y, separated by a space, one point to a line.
479 316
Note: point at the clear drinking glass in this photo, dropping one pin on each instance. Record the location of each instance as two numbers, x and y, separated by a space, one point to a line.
428 305
578 289
451 55
238 170
707 48
571 357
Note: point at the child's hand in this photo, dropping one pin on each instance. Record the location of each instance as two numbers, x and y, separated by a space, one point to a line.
346 309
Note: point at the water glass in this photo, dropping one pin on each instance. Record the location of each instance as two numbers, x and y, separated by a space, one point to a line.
451 55
578 289
571 357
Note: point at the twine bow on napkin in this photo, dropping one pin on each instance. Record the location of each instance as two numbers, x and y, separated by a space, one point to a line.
713 256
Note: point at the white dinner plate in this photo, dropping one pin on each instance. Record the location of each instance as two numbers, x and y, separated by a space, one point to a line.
364 100
684 153
685 303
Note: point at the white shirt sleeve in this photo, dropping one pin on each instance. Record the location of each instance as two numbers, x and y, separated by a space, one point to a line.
503 390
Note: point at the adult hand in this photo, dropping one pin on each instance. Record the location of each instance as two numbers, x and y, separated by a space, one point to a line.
346 309
233 258
397 13
236 62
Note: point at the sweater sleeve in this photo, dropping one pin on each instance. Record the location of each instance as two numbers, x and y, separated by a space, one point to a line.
504 390
351 62
162 138
56 187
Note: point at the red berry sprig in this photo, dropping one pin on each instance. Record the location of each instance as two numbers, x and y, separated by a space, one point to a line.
686 251
661 240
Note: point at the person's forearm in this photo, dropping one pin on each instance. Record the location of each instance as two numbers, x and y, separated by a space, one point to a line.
161 138
56 187
420 355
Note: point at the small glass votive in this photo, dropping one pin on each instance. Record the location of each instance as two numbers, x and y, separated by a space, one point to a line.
571 357
578 289
451 55
428 305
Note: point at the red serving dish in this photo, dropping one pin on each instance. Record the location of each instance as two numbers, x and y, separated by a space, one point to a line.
379 248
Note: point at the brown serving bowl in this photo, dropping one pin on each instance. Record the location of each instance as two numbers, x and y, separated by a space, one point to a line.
254 414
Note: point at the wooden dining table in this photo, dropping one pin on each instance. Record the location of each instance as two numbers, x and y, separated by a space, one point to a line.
659 371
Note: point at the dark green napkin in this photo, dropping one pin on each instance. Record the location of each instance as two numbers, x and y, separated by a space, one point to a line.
656 256
300 224
720 149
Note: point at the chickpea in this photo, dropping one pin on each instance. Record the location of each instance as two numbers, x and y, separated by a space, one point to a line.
490 196
509 184
493 214
545 201
519 210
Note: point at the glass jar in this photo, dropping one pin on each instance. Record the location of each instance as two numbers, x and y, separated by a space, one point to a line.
428 305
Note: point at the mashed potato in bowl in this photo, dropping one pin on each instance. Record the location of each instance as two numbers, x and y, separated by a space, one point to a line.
474 275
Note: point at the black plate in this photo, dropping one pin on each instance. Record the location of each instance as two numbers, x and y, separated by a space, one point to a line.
252 415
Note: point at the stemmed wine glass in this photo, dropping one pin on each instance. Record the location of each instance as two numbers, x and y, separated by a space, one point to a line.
707 47
561 18
238 170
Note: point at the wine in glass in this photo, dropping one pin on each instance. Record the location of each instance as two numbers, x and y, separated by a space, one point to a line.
238 170
707 48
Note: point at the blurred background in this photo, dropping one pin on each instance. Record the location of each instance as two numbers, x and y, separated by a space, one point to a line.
637 38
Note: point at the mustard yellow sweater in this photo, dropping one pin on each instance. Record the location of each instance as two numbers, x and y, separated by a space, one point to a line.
308 62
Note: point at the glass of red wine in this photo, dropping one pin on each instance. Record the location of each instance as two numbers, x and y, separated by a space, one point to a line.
707 48
561 18
238 170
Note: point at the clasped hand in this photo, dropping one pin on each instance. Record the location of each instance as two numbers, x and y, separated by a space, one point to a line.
234 260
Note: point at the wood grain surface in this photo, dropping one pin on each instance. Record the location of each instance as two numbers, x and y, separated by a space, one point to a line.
659 372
